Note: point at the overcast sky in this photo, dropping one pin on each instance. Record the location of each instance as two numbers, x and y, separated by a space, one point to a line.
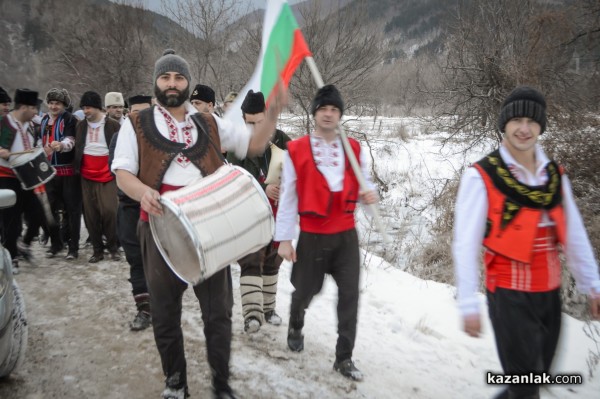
155 5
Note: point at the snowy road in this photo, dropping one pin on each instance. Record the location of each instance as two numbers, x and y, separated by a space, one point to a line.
408 345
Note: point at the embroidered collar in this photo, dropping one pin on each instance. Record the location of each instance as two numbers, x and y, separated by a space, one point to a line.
519 195
186 131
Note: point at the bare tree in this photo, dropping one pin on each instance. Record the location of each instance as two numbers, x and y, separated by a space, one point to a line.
494 46
107 51
215 34
345 49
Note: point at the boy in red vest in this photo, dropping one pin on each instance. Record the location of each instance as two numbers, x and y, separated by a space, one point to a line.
518 204
319 185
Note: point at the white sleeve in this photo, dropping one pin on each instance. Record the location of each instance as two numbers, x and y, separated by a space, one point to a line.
235 136
287 212
469 228
68 142
126 152
578 250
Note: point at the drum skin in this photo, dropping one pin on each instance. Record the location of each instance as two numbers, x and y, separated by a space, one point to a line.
32 168
212 223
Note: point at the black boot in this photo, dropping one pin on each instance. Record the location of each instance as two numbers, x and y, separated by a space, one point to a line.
295 339
143 318
222 390
348 370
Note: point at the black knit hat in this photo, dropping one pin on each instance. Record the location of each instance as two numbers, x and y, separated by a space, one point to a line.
327 95
91 99
133 100
254 103
26 97
4 97
60 95
203 93
523 101
170 62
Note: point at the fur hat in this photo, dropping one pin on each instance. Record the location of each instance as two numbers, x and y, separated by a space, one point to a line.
91 99
203 93
133 100
170 62
4 97
254 103
113 98
26 97
523 101
60 95
327 95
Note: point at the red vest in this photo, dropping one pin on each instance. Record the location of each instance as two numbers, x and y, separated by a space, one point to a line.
516 240
322 211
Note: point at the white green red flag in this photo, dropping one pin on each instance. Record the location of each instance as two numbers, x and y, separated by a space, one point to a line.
283 49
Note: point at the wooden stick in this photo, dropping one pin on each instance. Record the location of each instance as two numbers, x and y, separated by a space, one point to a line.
351 157
23 152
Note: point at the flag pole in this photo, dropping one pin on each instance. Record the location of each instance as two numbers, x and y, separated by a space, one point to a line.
310 61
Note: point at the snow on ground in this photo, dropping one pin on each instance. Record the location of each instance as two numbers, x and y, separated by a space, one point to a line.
409 342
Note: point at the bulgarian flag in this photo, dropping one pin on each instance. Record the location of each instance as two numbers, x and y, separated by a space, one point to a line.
283 49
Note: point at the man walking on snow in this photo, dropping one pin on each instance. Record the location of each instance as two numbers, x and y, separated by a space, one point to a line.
319 185
518 204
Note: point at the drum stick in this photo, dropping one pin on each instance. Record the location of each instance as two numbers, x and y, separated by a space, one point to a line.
351 157
23 152
40 193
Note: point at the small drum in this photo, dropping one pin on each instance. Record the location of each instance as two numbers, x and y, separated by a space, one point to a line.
275 165
32 168
212 223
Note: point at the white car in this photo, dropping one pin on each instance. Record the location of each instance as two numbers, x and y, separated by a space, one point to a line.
13 323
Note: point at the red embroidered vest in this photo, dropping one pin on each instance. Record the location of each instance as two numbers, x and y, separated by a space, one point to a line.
322 211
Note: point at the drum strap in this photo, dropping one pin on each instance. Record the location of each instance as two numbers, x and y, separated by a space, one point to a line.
200 125
23 134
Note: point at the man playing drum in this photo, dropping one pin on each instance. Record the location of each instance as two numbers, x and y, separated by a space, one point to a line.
17 135
162 149
319 185
258 281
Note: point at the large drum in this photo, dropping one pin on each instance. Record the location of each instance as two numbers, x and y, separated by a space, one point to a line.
32 168
212 223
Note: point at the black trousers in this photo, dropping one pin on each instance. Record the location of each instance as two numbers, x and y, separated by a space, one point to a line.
337 255
64 192
265 262
527 328
166 291
27 206
128 216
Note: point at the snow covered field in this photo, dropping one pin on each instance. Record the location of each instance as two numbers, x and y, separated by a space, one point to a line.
409 342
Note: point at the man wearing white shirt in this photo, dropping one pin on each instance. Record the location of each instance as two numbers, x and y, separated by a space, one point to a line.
161 149
518 204
319 185
92 137
17 134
